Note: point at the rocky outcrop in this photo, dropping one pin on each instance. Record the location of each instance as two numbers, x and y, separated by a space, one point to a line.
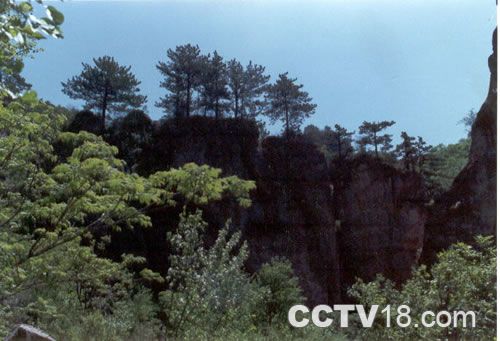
381 220
228 144
291 216
364 219
469 207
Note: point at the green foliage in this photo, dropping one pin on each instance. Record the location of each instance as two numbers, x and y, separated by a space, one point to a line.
202 184
210 295
105 86
371 136
51 207
214 91
20 29
335 144
86 296
183 73
247 86
463 279
207 288
413 153
445 162
283 290
288 103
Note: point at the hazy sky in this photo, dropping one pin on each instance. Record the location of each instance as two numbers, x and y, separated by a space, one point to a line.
421 63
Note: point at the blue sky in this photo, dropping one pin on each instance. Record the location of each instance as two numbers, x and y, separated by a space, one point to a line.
421 63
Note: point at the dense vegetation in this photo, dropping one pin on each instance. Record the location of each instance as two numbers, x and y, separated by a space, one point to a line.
59 189
462 279
65 189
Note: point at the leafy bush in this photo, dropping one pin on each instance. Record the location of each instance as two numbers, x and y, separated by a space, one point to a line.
445 162
463 279
283 290
52 205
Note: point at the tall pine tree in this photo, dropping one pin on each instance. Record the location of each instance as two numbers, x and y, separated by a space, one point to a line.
371 136
182 76
407 151
247 86
105 86
214 92
288 103
339 142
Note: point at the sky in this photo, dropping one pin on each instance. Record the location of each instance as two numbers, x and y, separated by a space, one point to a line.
421 63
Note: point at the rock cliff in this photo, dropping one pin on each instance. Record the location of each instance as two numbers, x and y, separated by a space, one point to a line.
381 218
332 227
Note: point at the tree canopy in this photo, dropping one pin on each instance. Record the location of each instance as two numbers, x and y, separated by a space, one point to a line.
53 203
247 86
288 103
370 136
214 91
106 87
182 76
462 279
335 144
20 29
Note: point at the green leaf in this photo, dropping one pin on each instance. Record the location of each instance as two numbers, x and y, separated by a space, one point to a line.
57 17
25 7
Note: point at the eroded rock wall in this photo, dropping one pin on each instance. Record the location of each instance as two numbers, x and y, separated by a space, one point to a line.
382 218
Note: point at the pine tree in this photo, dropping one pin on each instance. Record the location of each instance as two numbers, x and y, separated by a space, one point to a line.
107 87
246 88
370 135
214 92
255 86
407 151
288 103
182 76
422 153
339 141
236 83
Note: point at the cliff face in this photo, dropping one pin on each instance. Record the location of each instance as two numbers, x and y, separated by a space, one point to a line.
291 214
333 227
469 207
382 219
292 217
229 144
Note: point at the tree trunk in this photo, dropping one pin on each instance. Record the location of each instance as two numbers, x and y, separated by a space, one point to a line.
104 108
287 120
236 109
188 98
287 124
339 147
